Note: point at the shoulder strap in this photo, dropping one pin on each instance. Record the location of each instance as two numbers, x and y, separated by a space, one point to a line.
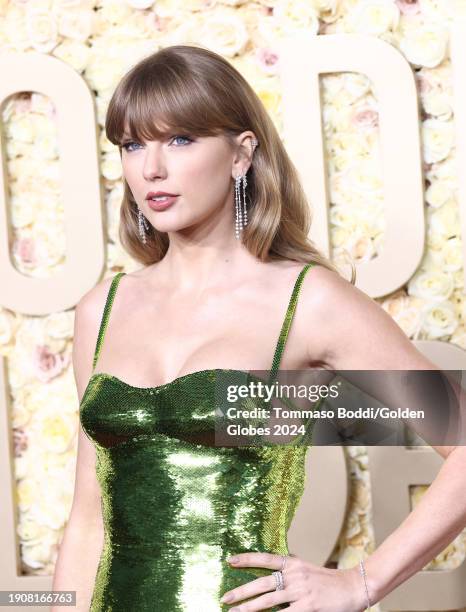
106 316
287 321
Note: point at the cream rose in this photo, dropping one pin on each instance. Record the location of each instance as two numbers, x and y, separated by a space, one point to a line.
431 285
42 30
74 53
224 32
438 139
78 24
425 44
374 16
444 221
111 166
289 17
439 320
439 193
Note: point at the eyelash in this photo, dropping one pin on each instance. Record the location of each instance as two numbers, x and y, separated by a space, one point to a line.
126 144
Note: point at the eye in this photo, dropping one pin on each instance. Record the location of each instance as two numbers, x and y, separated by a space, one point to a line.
126 145
183 137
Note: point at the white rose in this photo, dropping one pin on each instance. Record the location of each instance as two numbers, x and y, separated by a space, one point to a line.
37 556
405 311
374 16
432 285
74 53
42 30
443 221
51 509
437 103
339 237
14 29
453 254
445 170
439 10
78 24
425 45
224 32
291 16
21 416
59 325
27 491
104 70
114 12
438 139
343 216
29 530
54 431
439 320
438 193
111 166
329 10
365 177
50 245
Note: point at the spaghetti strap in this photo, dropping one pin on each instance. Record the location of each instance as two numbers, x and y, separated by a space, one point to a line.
287 321
106 316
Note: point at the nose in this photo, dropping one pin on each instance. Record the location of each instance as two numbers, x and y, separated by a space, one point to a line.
154 164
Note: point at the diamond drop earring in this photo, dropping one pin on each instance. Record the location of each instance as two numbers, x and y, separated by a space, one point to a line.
240 203
142 225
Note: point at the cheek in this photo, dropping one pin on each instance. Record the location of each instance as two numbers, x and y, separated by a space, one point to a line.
208 175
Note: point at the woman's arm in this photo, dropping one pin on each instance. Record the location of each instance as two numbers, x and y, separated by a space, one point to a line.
358 334
82 541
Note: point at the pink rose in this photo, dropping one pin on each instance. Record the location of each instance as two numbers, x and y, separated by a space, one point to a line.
408 7
365 118
267 58
25 250
48 364
20 441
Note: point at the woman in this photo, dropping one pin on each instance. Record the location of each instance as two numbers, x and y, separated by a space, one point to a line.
225 259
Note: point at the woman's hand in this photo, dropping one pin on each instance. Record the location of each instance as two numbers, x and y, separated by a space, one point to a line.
306 587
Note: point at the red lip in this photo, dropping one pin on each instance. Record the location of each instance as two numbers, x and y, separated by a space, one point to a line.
161 205
153 194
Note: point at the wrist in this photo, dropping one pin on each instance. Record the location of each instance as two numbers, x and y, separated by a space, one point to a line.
370 583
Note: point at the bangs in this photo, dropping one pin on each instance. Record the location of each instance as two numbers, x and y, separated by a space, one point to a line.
156 101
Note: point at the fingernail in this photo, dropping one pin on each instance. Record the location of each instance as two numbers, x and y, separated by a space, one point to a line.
226 598
234 610
232 559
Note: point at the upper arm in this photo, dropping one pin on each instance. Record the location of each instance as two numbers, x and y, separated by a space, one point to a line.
88 313
357 334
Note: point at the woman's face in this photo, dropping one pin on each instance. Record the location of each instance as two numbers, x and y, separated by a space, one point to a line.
198 170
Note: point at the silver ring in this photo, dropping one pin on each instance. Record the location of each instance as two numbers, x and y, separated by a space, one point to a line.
279 585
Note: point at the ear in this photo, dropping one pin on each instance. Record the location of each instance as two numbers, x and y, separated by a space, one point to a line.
245 144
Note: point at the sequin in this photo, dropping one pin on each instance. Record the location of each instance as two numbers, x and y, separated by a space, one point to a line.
175 507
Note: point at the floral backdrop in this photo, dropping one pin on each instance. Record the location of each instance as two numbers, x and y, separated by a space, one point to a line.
101 39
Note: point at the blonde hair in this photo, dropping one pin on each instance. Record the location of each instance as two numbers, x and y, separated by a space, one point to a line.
195 91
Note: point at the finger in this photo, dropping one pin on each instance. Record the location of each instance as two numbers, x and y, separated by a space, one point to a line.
264 602
261 559
254 587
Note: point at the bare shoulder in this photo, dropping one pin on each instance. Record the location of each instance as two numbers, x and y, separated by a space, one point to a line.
354 331
87 318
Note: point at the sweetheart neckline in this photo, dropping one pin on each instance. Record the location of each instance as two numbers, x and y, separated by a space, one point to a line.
163 385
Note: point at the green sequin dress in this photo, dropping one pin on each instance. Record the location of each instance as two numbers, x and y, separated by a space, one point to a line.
175 509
